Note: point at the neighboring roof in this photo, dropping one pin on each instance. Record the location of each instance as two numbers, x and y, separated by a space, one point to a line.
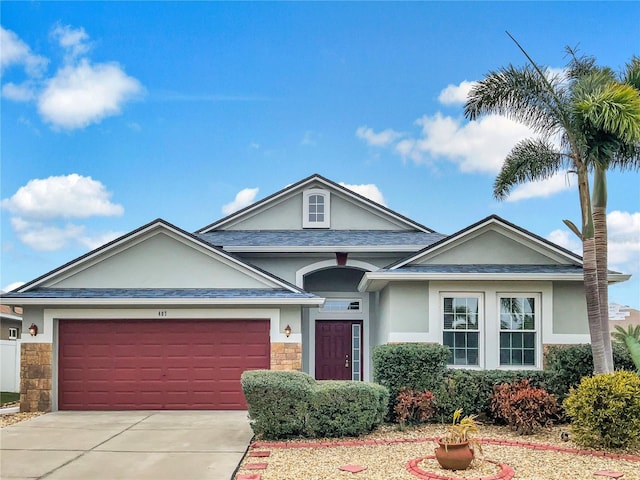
623 316
347 240
299 186
491 219
7 312
158 223
167 295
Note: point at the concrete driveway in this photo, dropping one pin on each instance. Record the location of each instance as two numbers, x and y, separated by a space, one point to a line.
125 445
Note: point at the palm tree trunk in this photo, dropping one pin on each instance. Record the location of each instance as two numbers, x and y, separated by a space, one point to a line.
589 267
600 235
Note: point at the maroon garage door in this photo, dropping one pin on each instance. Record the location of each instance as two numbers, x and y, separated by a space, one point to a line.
152 365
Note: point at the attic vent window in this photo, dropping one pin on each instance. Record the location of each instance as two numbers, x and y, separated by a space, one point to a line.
316 209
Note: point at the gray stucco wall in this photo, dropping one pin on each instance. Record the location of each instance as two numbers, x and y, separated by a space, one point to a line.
345 215
160 262
404 307
491 247
569 308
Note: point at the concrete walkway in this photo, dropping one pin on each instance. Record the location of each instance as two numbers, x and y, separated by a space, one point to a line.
136 445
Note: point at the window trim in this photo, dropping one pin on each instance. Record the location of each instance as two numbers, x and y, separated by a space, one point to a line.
537 296
481 325
307 194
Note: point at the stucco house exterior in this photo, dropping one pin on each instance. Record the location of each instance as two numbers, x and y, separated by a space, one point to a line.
310 278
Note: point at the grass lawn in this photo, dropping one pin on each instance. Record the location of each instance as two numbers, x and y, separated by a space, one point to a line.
8 397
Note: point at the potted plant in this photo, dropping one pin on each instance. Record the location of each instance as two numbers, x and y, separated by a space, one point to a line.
455 450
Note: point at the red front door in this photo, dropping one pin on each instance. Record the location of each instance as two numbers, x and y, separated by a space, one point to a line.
335 349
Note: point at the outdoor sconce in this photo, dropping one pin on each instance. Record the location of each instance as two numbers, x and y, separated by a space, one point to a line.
33 329
287 330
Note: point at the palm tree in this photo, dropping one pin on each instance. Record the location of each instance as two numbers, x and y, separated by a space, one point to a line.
608 108
551 106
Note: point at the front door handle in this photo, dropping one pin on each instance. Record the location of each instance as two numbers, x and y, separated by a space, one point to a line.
346 361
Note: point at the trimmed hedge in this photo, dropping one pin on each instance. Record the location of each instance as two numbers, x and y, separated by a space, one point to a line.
416 366
286 404
346 408
278 401
471 390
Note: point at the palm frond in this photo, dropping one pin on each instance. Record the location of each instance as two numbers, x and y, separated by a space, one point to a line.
519 94
615 109
530 160
632 74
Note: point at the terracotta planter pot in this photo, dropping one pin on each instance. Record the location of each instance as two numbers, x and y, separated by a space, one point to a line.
455 456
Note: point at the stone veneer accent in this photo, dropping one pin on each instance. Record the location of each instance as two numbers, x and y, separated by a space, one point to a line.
36 360
286 356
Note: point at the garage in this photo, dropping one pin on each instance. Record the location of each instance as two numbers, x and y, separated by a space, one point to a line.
158 365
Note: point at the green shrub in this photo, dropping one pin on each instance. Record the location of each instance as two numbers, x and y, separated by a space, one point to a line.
605 410
417 366
346 408
471 390
286 404
566 365
523 407
279 402
413 407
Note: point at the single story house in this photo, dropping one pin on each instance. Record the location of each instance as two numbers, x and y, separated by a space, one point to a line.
310 278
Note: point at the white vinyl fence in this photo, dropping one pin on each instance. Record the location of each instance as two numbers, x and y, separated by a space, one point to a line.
10 365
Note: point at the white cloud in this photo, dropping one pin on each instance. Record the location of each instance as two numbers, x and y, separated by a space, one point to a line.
456 94
370 191
45 237
566 239
94 241
380 139
70 196
80 95
243 198
12 286
73 40
15 52
623 229
18 93
475 146
543 188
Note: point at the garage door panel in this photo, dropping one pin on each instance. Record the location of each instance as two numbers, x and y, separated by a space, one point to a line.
142 364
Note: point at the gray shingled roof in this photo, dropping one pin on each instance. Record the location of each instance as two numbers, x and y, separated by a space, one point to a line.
160 293
319 238
479 268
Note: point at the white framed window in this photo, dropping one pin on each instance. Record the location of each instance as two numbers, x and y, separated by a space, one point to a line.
13 333
462 319
341 305
316 211
519 329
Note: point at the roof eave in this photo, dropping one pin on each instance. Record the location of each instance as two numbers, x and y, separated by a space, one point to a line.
321 248
22 301
375 281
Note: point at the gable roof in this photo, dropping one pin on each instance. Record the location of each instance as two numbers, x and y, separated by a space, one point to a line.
487 221
270 281
407 269
299 186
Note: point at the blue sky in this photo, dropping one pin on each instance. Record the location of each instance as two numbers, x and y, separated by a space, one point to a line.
117 113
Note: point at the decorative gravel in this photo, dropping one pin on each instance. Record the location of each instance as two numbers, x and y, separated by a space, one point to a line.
307 460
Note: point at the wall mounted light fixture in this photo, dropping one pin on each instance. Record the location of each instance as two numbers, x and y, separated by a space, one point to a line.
287 330
33 329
